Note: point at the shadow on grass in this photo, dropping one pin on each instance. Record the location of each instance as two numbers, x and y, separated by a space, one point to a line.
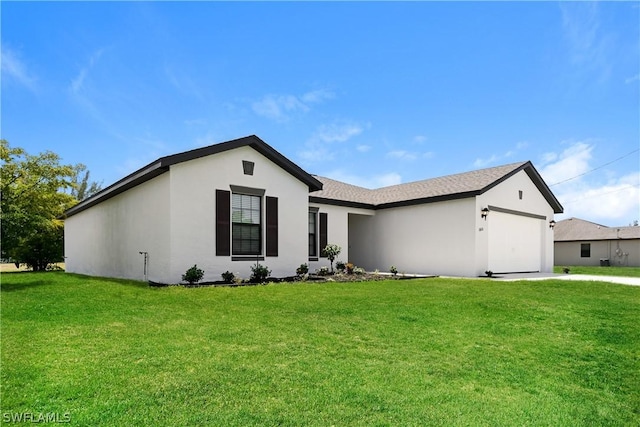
10 286
24 280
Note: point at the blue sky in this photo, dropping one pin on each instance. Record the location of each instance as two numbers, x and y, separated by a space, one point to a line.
369 93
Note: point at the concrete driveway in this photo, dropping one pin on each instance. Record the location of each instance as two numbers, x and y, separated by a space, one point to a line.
633 281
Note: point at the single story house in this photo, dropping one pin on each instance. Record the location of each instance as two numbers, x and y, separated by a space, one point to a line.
230 205
580 242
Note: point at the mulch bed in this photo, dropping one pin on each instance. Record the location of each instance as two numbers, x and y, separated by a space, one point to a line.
312 278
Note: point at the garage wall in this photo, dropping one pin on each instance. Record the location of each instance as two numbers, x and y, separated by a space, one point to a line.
106 239
517 193
434 238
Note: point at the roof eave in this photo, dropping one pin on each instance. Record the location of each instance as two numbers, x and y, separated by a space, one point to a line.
537 180
163 165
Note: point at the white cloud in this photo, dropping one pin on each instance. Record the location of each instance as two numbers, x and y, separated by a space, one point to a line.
612 199
632 79
281 107
372 182
317 96
77 83
363 148
588 45
13 68
402 155
337 132
504 157
409 155
482 163
319 146
572 162
419 139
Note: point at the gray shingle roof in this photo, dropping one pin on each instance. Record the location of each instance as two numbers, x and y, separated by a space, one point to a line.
575 229
459 185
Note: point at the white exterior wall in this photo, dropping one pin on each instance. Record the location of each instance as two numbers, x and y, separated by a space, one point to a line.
506 195
193 214
337 231
106 239
568 253
434 238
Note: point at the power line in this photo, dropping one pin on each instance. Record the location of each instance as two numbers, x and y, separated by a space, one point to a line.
595 169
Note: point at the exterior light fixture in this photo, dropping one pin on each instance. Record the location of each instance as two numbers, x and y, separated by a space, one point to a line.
484 212
552 224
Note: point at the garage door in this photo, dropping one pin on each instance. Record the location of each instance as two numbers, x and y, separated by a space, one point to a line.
515 243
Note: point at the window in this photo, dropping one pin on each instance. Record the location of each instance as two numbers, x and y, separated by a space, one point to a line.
585 250
520 194
246 225
241 229
313 233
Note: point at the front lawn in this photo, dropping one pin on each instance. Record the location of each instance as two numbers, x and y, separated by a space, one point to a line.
600 271
417 352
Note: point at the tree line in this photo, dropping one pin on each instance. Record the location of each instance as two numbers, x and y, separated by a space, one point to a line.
36 190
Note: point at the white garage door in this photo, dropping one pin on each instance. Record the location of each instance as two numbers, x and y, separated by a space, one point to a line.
515 243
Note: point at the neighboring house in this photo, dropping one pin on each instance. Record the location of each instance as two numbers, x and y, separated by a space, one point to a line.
230 205
580 242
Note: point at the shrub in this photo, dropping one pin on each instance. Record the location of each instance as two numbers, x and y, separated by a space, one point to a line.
340 266
393 270
566 270
228 277
331 251
302 270
358 270
322 271
259 273
193 275
349 268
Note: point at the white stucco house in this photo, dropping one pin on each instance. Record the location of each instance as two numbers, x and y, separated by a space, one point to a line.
581 242
226 206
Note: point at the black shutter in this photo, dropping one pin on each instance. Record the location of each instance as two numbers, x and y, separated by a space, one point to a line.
223 223
272 226
323 233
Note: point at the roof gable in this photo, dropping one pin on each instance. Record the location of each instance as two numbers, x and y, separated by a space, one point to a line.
457 186
163 165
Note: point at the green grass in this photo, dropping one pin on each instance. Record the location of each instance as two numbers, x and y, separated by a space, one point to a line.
600 271
390 353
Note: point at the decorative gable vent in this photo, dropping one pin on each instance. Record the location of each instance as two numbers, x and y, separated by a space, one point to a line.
247 166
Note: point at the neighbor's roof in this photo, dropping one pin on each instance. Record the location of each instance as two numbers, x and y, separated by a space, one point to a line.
163 164
575 229
458 186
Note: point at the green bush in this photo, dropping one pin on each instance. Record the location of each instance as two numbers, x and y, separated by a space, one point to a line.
302 270
193 275
228 277
340 266
323 271
259 273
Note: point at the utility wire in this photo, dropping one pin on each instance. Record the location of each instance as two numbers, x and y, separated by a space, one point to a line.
595 169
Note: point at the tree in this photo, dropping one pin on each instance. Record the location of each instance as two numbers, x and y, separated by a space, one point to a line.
82 188
31 203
